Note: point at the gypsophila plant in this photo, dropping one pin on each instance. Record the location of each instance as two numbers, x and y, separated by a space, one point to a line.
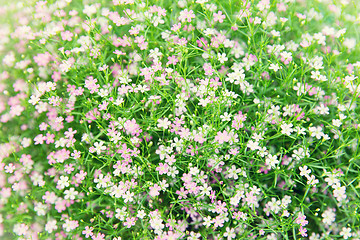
189 119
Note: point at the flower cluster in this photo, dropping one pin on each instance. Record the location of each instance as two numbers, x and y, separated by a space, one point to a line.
189 119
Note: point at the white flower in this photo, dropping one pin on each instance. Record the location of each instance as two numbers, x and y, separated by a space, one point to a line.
340 32
286 129
90 9
235 199
350 43
262 152
285 201
205 190
300 130
323 110
275 33
69 225
20 229
339 192
141 214
328 216
342 116
142 88
156 20
99 147
116 191
271 161
222 57
162 151
121 213
253 145
128 197
257 20
275 67
345 232
207 221
63 182
34 99
50 226
116 137
201 1
163 123
204 102
332 179
178 144
326 137
103 92
230 233
101 181
316 131
258 136
118 101
233 172
155 53
70 194
304 171
312 180
226 117
283 20
40 209
336 122
341 108
300 153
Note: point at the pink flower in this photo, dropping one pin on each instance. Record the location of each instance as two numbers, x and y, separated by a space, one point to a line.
88 231
132 127
130 221
155 190
140 40
67 36
162 168
49 197
218 221
303 231
76 154
79 177
70 133
251 199
42 59
187 178
181 41
50 138
103 106
39 139
70 225
176 27
99 236
238 121
172 60
286 57
60 205
56 76
219 17
90 83
10 168
222 137
192 187
208 69
301 220
186 15
68 168
182 193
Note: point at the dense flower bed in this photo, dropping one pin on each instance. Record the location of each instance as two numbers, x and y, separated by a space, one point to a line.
189 119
